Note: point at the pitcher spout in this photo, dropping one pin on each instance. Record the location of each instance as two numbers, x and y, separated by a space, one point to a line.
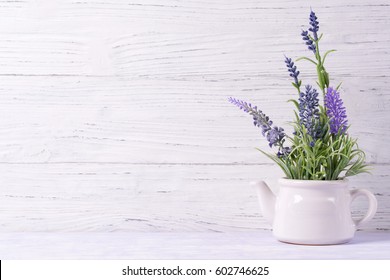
266 199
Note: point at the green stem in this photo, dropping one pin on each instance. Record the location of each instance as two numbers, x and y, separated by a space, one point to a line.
323 77
318 56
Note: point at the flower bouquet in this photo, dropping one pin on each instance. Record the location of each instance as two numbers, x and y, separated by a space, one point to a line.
320 147
313 203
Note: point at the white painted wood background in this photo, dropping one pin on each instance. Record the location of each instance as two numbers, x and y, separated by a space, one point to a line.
114 114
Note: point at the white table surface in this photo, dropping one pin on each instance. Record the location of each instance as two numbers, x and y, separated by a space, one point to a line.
237 245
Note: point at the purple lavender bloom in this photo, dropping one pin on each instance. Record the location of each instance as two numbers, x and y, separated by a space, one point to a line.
293 70
259 118
309 113
274 135
335 111
284 151
314 25
310 45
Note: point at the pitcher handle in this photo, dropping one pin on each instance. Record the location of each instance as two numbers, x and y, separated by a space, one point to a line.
372 205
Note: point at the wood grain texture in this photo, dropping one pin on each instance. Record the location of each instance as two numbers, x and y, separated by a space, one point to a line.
114 114
90 119
146 197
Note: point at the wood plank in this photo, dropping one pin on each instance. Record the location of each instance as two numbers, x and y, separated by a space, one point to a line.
186 40
89 119
129 197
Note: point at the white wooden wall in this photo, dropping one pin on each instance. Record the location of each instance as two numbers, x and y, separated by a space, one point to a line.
114 114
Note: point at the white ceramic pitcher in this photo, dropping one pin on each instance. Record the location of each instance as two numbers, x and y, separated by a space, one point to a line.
313 212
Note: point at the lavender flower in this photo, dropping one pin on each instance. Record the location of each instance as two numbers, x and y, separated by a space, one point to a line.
259 118
335 111
314 25
309 113
310 45
284 151
293 71
274 135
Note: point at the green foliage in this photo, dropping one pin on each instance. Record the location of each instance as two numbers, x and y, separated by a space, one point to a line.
330 156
